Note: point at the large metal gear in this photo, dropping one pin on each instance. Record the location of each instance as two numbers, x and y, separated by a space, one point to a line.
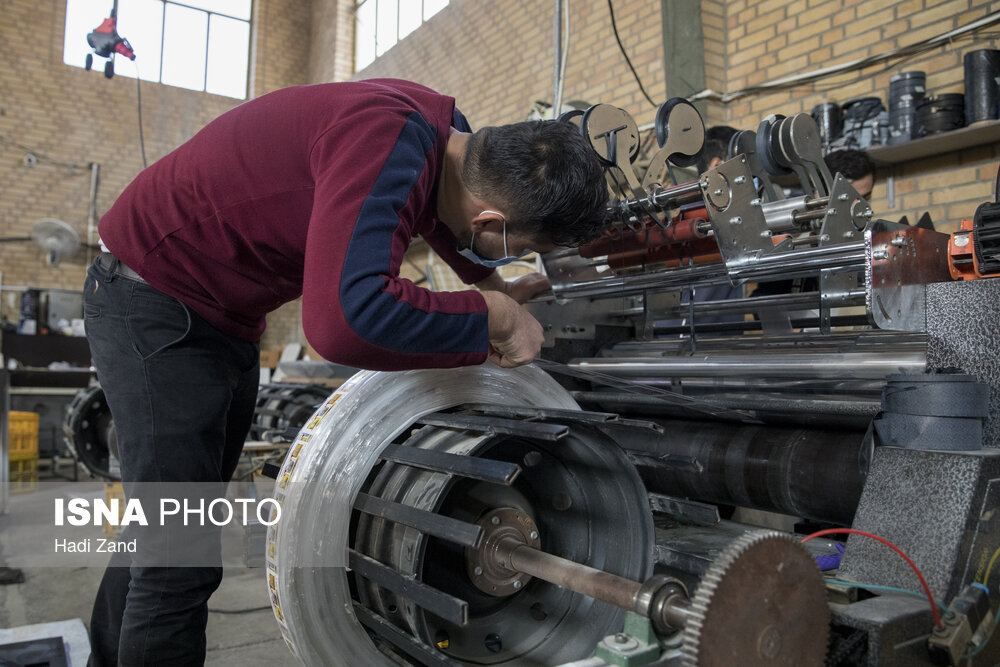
762 602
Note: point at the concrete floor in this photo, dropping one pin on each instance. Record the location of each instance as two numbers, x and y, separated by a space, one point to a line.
62 593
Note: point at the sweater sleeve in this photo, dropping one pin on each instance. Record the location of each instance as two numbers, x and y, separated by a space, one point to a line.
371 187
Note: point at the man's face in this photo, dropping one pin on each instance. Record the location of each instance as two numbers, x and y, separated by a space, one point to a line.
489 244
864 185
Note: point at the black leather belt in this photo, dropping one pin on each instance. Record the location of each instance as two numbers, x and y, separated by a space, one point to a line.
106 261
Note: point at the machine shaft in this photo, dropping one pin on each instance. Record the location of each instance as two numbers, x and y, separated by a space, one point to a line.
580 578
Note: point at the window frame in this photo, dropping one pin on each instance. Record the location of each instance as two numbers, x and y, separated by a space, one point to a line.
205 47
424 18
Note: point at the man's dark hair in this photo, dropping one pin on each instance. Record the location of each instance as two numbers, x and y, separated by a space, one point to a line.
851 163
716 145
545 176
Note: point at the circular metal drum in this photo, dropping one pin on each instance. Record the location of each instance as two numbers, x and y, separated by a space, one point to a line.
345 582
284 405
90 432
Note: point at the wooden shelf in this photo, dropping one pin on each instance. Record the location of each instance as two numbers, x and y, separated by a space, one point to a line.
936 144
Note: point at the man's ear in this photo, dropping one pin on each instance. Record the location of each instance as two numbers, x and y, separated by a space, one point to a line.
487 220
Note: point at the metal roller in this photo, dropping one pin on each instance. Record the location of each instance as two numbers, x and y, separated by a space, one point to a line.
284 405
330 464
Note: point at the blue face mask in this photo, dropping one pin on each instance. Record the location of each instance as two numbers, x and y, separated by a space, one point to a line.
470 254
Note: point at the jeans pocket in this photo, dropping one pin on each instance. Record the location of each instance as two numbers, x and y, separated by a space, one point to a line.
155 323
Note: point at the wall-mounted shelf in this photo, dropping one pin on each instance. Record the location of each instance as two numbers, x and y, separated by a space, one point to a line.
936 144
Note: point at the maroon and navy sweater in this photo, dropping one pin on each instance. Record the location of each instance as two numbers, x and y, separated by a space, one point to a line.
314 191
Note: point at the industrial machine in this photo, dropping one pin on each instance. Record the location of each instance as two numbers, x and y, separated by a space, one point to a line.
671 483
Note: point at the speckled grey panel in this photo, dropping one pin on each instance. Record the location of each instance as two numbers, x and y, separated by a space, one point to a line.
892 622
929 504
963 321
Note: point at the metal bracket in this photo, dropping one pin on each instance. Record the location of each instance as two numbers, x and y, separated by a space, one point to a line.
736 214
902 260
847 215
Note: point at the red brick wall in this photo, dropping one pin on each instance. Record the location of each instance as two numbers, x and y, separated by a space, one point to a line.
768 39
79 117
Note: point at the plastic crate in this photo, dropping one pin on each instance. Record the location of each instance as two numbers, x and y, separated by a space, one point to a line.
112 491
22 428
24 475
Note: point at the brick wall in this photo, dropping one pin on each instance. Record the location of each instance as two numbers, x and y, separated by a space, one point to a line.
76 117
768 39
494 57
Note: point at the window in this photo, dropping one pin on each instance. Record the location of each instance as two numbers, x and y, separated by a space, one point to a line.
380 24
195 44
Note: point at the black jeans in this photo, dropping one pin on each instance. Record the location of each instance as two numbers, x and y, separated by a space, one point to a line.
182 396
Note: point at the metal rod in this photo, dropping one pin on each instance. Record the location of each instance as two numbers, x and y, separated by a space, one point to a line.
857 365
473 467
600 585
404 641
494 425
446 606
783 404
429 523
805 261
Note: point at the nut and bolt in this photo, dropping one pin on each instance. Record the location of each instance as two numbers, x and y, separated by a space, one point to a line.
898 241
533 535
843 196
740 179
755 202
718 192
848 235
824 237
880 252
495 521
517 585
766 234
478 571
735 220
621 638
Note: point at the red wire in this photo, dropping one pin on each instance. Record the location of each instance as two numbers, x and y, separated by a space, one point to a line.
923 582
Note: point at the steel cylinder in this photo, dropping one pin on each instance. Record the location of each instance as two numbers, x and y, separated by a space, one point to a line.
812 473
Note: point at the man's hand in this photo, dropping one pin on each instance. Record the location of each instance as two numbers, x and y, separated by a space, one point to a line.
523 288
515 336
520 289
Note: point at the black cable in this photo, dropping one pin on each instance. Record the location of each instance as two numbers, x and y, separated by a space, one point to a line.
238 611
621 46
44 158
138 93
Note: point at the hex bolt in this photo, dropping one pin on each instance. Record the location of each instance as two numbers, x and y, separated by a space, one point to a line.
848 235
868 212
824 237
478 571
740 179
843 196
755 202
831 211
621 638
880 252
735 220
766 233
533 535
495 521
517 585
898 241
718 192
